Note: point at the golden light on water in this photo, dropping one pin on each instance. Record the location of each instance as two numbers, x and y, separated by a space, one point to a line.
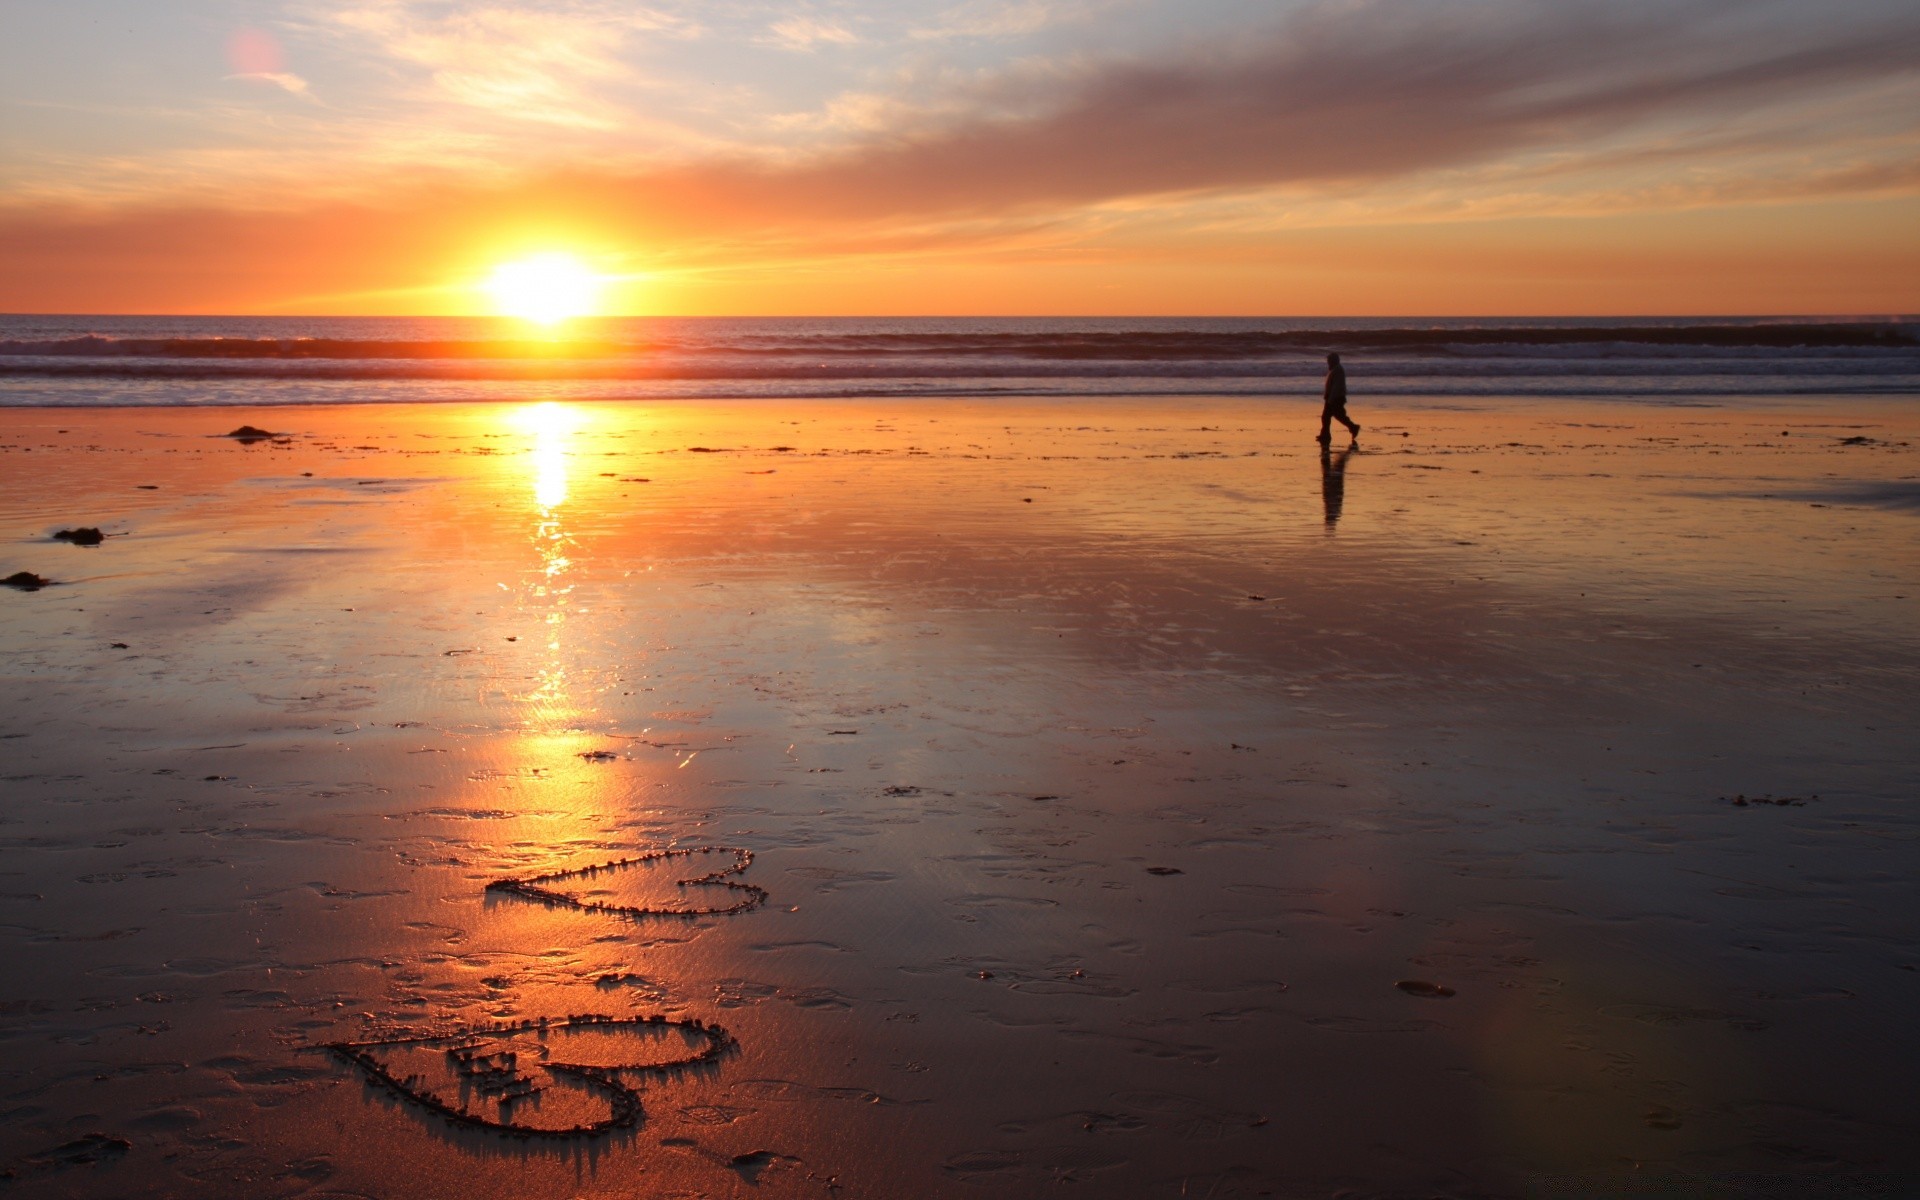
545 289
553 427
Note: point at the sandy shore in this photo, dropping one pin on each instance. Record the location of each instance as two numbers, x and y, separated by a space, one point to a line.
1138 803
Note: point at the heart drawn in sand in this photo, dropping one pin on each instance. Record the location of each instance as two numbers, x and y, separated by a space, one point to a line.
548 1078
540 887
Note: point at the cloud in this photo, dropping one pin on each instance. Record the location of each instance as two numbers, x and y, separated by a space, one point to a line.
1009 18
257 57
1352 94
1350 112
1359 93
810 33
540 63
281 79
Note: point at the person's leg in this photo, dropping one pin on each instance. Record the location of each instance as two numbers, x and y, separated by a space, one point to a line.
1352 429
1326 421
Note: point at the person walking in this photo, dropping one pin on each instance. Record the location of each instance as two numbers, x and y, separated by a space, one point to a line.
1335 408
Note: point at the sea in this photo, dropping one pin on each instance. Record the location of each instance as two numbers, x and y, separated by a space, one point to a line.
89 361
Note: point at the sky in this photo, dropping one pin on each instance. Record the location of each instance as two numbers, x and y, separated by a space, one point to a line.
1285 157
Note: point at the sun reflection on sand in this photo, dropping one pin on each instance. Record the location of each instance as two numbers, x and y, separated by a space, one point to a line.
553 426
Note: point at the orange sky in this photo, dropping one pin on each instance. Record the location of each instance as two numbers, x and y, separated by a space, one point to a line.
1427 157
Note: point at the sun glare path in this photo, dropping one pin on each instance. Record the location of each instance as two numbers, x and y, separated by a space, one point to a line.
548 592
552 426
547 288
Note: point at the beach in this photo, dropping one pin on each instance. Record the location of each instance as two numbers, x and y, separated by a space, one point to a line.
1120 797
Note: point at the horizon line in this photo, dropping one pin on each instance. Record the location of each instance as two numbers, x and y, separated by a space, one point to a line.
1845 318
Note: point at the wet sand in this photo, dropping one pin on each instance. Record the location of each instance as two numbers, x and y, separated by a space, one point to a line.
1118 799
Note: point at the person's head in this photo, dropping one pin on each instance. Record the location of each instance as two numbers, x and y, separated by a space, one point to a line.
1333 360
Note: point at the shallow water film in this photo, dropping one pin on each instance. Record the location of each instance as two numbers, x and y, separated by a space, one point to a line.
996 799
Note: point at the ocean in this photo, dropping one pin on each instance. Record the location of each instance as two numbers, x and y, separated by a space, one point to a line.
152 360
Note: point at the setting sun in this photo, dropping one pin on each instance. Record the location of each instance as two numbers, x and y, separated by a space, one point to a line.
547 288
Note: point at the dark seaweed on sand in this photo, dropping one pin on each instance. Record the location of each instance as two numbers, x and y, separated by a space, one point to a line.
85 535
533 887
26 581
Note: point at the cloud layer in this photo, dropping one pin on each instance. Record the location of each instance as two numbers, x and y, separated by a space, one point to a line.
1336 114
1361 94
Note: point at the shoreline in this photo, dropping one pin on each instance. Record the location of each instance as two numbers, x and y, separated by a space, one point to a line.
1629 400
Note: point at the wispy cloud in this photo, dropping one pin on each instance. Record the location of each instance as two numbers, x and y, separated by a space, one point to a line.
257 56
284 80
544 63
1009 18
810 33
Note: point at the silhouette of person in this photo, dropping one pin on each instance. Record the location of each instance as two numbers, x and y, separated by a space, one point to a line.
1333 481
1335 408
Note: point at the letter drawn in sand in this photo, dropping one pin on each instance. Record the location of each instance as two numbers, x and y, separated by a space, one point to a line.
538 887
553 1078
558 1078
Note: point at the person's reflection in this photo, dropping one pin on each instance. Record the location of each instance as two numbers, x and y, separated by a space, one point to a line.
1333 481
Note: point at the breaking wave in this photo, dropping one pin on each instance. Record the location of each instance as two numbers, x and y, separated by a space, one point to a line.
89 360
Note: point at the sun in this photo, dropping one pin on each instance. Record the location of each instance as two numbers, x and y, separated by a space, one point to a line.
547 288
